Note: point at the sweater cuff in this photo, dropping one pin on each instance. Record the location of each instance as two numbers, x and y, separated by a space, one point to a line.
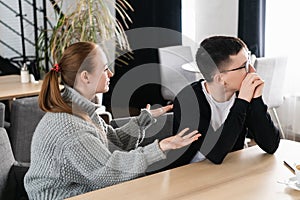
153 153
145 118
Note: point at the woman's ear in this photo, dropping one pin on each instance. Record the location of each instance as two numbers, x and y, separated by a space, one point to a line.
84 76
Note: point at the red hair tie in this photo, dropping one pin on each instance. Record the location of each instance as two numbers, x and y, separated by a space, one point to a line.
56 68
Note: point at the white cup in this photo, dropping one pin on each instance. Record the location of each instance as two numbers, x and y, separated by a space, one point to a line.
297 172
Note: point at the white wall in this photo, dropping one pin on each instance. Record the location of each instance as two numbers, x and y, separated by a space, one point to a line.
282 39
203 18
289 115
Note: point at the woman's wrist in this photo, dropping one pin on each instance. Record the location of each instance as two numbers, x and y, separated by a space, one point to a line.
145 118
162 146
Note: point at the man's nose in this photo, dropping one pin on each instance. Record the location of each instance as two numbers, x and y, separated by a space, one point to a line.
251 69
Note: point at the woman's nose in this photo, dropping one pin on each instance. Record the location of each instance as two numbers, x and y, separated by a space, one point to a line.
109 73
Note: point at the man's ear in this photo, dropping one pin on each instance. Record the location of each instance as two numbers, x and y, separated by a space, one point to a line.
84 76
219 79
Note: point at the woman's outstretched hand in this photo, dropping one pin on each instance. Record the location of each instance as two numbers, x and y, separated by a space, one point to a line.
179 140
159 111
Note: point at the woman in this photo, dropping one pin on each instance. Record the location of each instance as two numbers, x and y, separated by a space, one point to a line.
73 151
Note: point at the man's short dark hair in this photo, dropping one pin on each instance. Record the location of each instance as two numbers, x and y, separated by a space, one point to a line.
214 52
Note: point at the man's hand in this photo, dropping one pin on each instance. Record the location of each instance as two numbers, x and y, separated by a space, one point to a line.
252 86
259 90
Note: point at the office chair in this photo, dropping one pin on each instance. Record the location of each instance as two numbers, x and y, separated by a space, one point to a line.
24 117
2 114
272 71
174 76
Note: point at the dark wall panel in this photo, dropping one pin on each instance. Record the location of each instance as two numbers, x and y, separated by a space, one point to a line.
148 13
252 25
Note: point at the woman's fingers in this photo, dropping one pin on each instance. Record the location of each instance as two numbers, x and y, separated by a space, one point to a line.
191 134
168 108
159 111
186 140
148 106
177 141
181 133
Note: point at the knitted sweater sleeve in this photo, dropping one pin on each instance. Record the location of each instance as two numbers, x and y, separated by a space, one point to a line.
131 134
87 160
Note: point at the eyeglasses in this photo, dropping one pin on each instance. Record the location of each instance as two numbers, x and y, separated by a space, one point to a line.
246 66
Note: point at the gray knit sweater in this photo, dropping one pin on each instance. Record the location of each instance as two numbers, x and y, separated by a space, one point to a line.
70 156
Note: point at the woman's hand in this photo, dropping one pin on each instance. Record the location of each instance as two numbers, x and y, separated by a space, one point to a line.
159 111
179 140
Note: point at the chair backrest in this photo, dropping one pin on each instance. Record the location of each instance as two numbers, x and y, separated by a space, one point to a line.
173 76
272 71
25 115
6 159
2 114
161 129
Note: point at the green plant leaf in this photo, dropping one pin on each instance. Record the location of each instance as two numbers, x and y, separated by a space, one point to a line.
90 20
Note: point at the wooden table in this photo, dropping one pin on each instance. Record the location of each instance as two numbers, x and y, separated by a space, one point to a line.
248 174
11 87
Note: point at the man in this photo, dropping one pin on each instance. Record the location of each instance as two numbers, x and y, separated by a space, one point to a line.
225 107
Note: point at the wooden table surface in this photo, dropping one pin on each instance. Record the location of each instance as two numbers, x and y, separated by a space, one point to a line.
11 87
247 174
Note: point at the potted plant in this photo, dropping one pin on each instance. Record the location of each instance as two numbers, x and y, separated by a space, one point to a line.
87 20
